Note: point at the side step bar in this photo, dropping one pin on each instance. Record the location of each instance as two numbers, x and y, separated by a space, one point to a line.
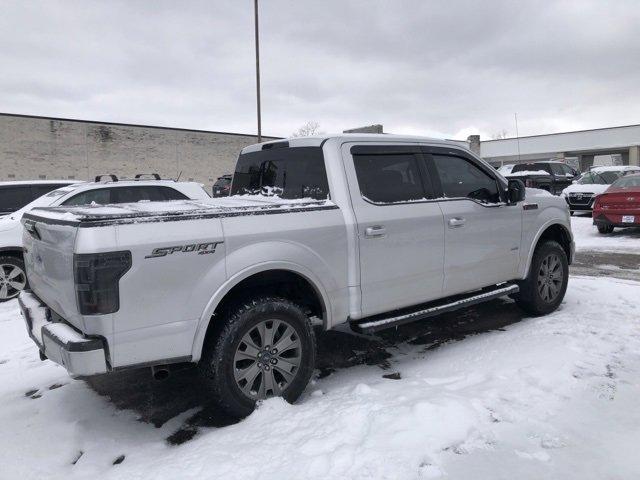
400 317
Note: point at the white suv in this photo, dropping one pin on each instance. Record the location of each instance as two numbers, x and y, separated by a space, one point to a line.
12 273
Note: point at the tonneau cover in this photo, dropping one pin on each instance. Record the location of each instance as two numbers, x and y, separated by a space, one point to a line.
141 212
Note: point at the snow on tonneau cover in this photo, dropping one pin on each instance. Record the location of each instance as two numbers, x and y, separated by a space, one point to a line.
51 235
96 215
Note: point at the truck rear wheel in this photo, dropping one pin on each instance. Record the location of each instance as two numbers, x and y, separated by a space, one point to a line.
266 348
544 288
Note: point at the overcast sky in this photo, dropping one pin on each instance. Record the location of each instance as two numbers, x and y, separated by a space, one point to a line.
447 68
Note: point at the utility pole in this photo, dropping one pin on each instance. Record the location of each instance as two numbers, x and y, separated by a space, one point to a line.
255 8
517 133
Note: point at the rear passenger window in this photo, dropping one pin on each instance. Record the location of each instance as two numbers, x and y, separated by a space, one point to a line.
101 196
389 177
146 193
461 178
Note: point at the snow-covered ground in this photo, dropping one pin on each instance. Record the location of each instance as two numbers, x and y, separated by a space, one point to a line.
549 397
622 240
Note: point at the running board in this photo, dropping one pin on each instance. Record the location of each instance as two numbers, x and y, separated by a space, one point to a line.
400 317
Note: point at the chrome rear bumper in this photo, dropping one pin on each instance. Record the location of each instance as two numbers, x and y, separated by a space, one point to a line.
81 356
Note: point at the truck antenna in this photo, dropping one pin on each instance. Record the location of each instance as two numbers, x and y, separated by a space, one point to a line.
179 175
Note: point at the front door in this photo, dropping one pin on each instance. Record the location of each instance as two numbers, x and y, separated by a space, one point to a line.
482 232
400 226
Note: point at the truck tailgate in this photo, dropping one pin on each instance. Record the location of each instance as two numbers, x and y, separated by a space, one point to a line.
48 259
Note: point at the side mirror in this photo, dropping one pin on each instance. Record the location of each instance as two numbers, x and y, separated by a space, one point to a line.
516 191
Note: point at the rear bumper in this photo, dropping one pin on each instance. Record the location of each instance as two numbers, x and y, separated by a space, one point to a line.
81 356
603 220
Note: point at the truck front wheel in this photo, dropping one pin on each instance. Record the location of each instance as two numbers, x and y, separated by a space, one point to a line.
266 348
544 288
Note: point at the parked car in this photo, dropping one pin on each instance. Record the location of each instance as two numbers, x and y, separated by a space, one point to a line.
370 230
15 195
548 175
12 273
582 192
619 205
222 187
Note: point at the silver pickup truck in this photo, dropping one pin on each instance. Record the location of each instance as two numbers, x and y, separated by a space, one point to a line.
370 230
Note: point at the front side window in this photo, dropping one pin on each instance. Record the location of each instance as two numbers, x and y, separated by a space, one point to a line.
556 169
296 172
461 178
389 178
586 179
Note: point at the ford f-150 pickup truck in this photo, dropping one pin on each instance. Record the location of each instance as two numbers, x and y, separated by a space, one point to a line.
370 230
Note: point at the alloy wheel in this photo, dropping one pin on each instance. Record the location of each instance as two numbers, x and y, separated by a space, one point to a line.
550 278
267 359
12 281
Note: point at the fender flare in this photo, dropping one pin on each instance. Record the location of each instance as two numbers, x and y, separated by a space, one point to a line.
225 288
543 228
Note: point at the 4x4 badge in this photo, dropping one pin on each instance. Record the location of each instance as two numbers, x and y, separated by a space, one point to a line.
199 248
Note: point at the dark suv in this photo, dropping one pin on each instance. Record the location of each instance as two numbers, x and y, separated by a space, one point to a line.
15 195
550 176
222 187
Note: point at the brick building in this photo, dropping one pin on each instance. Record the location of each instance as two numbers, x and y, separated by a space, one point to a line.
33 148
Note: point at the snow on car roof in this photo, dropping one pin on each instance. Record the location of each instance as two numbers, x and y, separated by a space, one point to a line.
615 168
526 173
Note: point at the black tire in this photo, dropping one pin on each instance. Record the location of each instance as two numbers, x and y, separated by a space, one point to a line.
533 297
8 266
218 366
605 229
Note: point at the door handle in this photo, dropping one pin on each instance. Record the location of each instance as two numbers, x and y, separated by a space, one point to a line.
376 231
457 222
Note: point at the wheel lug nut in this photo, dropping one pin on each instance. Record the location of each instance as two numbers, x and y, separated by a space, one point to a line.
259 365
274 351
266 367
274 361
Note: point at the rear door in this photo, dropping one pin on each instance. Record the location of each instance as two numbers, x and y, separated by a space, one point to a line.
400 226
482 233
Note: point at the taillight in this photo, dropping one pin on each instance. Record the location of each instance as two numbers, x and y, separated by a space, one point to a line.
97 277
596 203
529 183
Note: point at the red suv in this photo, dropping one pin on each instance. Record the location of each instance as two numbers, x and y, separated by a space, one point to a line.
619 205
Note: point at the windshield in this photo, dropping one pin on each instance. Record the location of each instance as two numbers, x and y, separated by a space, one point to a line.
603 178
628 181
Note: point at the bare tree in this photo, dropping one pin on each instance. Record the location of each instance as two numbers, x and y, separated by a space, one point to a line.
499 135
308 129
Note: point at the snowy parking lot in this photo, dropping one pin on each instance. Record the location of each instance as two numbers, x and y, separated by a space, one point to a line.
481 393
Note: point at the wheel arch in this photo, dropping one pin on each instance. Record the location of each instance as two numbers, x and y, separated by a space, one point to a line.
12 251
551 231
276 278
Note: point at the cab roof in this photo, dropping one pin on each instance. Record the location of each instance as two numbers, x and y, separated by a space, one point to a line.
318 140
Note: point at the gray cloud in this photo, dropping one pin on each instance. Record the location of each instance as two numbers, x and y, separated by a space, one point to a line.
441 68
